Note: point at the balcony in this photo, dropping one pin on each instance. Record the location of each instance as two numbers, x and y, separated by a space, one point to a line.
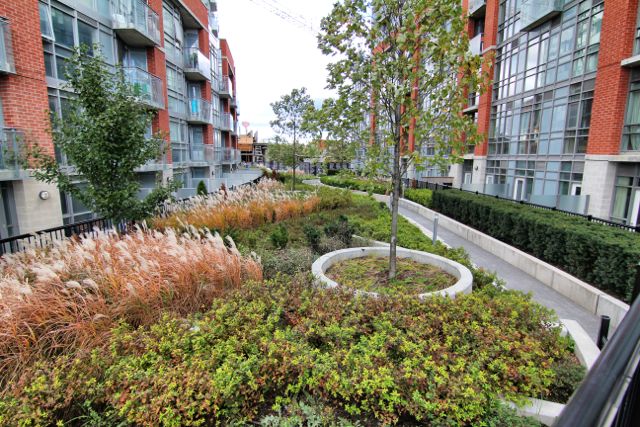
147 87
199 111
197 153
230 155
536 12
155 165
477 8
6 48
213 155
476 44
226 88
197 66
226 122
135 23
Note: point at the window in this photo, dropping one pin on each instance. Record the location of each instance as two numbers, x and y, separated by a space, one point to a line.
631 130
46 28
62 27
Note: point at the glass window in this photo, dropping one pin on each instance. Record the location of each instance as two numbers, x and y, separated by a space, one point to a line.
62 27
106 46
566 40
596 26
86 35
45 21
559 115
581 36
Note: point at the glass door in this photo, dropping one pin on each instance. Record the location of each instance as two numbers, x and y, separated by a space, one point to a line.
519 189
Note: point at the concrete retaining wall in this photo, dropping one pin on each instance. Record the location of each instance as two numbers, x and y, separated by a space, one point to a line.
583 294
462 273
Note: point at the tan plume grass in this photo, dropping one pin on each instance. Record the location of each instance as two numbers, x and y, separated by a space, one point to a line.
67 298
246 207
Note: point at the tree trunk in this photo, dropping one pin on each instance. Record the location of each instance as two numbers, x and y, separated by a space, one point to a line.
293 181
395 197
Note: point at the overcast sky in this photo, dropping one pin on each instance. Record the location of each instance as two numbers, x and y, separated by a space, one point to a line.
272 55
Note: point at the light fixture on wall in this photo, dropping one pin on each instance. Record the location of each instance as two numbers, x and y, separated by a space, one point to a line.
476 168
44 195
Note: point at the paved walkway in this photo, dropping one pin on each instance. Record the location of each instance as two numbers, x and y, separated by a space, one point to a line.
513 276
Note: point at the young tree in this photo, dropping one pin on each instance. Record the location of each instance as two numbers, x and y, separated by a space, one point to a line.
104 138
290 111
337 127
407 64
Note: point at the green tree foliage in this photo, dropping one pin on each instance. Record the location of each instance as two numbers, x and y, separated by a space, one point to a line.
412 58
202 189
103 137
290 111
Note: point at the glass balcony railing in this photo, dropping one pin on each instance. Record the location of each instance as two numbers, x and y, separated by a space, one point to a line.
7 64
213 155
226 88
214 24
147 87
226 122
135 22
535 12
196 65
230 155
11 143
197 153
477 8
476 44
199 111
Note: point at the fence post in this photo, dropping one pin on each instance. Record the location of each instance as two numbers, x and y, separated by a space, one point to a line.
435 228
603 333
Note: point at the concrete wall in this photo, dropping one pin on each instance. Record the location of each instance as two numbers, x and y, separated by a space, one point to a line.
33 213
599 183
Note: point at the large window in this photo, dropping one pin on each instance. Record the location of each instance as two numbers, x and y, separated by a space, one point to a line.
62 28
626 202
631 131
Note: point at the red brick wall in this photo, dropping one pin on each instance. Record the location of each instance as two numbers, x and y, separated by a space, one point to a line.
158 67
484 104
612 80
24 94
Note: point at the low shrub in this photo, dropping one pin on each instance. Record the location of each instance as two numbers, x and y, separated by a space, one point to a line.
333 199
67 298
265 346
289 261
279 237
420 196
569 375
340 229
313 235
603 256
330 244
368 186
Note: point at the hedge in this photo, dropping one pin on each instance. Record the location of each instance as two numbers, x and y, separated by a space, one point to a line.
368 186
603 256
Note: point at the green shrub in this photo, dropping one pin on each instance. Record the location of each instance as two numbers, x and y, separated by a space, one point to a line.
569 375
340 229
279 237
265 346
368 186
202 189
332 199
422 196
288 261
603 256
312 234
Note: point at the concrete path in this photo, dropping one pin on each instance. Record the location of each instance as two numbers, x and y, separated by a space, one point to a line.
514 277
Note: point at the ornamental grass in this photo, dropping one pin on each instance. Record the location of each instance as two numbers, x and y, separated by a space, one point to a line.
67 298
243 208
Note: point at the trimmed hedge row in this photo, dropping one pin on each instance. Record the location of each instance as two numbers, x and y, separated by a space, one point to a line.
603 256
420 196
368 186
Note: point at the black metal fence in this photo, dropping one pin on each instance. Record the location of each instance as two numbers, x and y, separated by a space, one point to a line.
436 187
46 238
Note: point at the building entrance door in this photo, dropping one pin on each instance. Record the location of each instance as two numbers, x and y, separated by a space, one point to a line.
635 209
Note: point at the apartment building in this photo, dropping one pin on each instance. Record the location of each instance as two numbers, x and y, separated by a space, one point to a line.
561 118
170 51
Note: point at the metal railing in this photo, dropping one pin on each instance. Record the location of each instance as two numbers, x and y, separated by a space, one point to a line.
47 238
609 396
225 86
437 187
11 142
226 122
196 65
138 16
7 64
199 111
147 87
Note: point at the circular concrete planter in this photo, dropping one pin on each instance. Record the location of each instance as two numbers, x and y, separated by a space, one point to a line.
462 273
